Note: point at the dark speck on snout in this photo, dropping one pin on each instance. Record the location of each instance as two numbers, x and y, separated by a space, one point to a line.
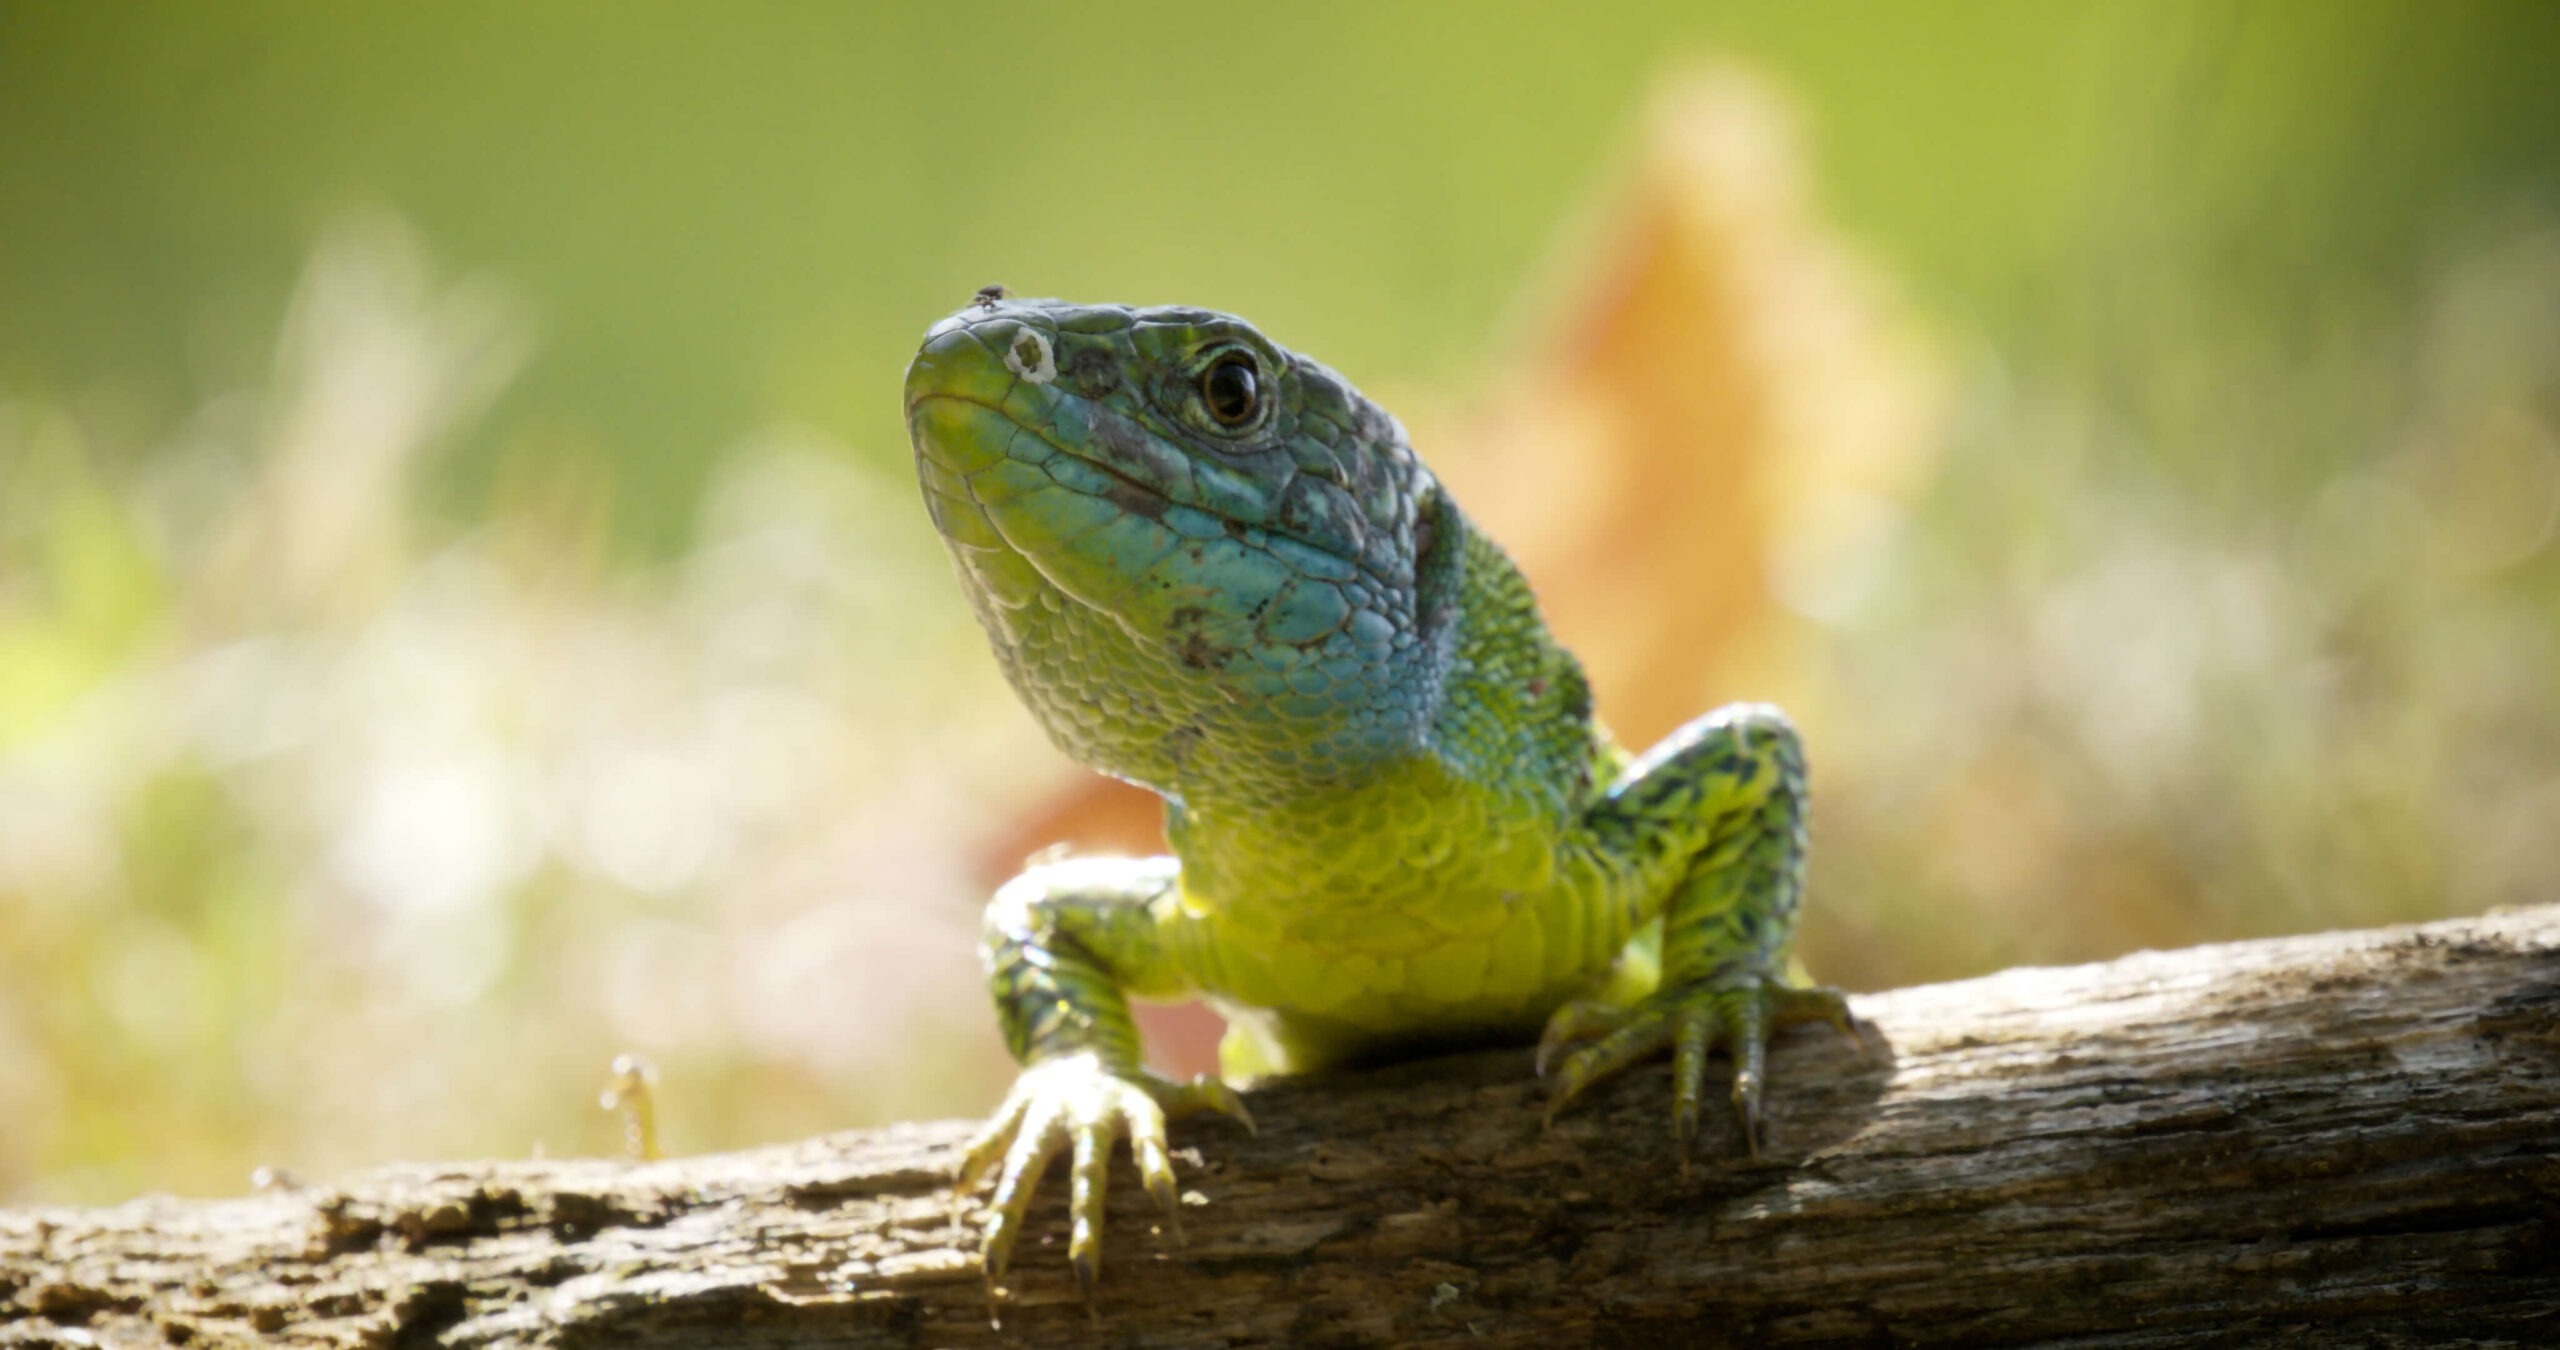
1093 372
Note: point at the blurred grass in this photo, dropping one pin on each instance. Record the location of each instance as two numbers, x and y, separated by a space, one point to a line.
724 215
463 611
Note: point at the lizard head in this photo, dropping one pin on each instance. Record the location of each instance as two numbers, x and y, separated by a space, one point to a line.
1196 553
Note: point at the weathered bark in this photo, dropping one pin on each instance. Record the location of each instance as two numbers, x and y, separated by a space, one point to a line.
2352 1137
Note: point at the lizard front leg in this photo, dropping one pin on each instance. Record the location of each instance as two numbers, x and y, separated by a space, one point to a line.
1719 809
1064 945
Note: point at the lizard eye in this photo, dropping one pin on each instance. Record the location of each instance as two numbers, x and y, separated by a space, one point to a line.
1232 391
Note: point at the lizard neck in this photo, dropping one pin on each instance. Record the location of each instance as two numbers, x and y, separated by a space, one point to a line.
1468 814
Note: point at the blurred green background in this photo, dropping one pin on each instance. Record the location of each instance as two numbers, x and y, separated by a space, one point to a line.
464 610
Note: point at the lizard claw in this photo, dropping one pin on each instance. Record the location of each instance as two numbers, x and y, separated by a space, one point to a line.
1631 1036
1578 1020
1207 1093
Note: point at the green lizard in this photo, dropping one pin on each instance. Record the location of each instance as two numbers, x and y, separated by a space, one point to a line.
1212 568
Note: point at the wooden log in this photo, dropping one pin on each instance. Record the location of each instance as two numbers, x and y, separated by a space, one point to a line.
2345 1138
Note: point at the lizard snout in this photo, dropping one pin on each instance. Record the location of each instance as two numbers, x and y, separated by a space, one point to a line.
978 354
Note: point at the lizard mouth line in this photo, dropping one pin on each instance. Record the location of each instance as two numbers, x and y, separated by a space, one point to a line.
1123 476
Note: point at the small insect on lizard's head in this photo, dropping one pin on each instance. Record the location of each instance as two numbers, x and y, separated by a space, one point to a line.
1163 517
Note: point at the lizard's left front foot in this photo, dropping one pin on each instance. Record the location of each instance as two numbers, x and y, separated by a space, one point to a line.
1736 1010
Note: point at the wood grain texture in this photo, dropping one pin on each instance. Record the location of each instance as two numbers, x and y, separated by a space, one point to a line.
2350 1138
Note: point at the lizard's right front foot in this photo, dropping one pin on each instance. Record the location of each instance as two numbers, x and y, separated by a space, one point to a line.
1076 1100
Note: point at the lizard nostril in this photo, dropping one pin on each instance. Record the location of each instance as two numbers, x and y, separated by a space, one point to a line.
1028 356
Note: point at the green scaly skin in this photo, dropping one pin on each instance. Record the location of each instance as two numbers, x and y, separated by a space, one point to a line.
1395 825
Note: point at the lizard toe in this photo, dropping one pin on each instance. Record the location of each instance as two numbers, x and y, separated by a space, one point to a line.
1636 1039
1574 1022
